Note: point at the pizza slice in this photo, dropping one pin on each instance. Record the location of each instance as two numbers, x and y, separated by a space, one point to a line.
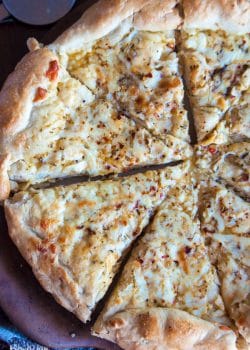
168 294
225 223
216 57
75 237
135 65
227 164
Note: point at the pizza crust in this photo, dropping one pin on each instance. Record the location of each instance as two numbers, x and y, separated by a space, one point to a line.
16 101
18 92
52 276
4 177
163 328
95 24
229 15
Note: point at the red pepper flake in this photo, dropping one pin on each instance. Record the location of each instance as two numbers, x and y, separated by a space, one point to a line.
140 260
224 328
209 230
212 149
244 177
149 75
165 256
89 231
152 189
153 261
52 248
80 227
241 321
187 250
136 206
40 94
52 72
42 249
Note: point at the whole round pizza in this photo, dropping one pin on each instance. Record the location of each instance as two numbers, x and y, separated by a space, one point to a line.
106 101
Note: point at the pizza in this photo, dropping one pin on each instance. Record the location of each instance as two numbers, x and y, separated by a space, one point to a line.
97 150
215 51
75 237
225 223
169 290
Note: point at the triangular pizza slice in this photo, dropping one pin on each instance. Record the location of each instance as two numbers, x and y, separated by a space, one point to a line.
168 295
216 58
75 237
226 224
135 65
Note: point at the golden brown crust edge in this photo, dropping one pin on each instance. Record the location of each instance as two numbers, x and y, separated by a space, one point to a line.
18 92
4 178
162 328
105 15
16 102
53 276
229 15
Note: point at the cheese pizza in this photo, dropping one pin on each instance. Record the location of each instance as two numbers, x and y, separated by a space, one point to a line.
109 97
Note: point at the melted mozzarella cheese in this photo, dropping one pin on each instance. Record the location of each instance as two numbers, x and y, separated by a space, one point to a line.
170 266
86 229
226 222
228 164
92 139
225 212
217 70
140 72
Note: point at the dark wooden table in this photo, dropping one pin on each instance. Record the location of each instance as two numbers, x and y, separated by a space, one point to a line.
13 37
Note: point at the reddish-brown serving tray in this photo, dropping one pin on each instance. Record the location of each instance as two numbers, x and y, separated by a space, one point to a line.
33 311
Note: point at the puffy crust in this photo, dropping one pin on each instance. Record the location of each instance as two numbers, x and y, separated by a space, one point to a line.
16 102
17 94
162 328
105 15
53 277
4 178
158 16
229 15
